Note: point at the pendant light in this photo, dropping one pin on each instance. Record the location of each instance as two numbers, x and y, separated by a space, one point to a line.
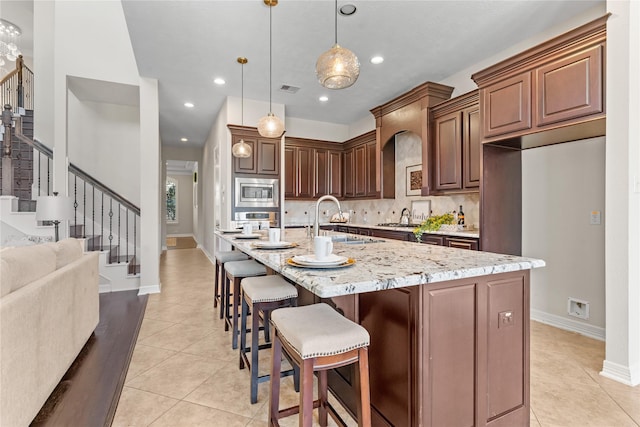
337 68
242 149
270 126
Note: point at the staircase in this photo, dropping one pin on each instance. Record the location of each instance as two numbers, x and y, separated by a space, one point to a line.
105 220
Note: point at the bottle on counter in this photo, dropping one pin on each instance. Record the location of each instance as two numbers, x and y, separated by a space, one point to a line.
460 216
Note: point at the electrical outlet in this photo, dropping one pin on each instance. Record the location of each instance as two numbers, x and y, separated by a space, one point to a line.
578 308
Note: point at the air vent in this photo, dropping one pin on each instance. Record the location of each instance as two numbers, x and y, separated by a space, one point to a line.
289 89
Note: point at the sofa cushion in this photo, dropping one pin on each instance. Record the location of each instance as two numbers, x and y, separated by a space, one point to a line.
23 265
67 251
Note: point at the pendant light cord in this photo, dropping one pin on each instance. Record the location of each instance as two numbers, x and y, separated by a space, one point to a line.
270 61
242 98
336 22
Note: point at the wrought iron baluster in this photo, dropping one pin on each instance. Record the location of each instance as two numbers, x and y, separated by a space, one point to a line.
84 209
93 216
102 222
39 169
48 176
110 226
75 205
127 235
135 245
119 233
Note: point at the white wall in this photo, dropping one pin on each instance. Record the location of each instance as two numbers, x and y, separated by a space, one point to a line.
104 141
184 225
622 246
561 185
312 129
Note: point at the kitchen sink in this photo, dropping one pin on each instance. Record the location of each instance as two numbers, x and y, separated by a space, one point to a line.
353 240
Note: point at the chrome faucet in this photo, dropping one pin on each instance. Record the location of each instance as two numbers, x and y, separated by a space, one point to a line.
316 226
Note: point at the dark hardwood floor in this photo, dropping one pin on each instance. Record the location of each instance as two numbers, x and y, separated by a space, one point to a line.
88 393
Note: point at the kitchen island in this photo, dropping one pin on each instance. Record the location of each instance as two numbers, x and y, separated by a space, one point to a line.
449 327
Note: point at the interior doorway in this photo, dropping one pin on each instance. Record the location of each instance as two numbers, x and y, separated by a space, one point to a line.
180 207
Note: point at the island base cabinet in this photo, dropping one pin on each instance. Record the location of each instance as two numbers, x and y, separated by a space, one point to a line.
452 354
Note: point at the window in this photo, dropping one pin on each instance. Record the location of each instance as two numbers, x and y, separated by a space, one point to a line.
172 200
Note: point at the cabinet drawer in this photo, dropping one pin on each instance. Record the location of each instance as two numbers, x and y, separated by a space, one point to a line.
431 239
462 243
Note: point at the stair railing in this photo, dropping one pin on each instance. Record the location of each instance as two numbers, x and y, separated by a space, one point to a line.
91 199
16 88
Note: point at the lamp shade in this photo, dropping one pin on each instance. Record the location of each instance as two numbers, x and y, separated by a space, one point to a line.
241 149
337 68
54 208
270 126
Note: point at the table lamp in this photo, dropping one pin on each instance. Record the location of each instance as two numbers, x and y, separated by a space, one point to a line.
55 209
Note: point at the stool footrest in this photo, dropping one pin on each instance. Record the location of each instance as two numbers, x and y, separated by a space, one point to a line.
316 404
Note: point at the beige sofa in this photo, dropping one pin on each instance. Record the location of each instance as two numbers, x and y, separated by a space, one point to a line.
49 307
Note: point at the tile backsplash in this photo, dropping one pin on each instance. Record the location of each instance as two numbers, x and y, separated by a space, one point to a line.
408 154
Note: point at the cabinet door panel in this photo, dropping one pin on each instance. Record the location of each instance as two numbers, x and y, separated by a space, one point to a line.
570 88
507 345
450 356
349 187
305 171
268 154
389 317
507 106
472 147
360 160
448 143
321 170
335 173
289 164
371 169
247 164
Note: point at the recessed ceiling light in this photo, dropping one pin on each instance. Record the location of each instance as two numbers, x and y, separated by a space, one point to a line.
347 10
188 104
183 139
377 60
323 98
219 81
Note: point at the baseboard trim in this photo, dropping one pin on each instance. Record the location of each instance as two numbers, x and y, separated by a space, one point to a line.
104 288
182 235
211 259
150 289
629 375
581 328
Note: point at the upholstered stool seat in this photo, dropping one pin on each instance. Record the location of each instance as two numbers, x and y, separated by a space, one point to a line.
318 338
218 290
235 272
261 295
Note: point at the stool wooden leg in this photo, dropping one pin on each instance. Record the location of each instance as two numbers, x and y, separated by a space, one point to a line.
322 397
225 308
362 379
216 286
255 332
274 390
267 322
236 303
243 331
306 394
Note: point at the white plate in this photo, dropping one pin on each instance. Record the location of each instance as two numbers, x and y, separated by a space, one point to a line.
332 259
274 245
348 263
230 231
248 236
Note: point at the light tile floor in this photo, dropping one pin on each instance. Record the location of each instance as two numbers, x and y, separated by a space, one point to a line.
184 373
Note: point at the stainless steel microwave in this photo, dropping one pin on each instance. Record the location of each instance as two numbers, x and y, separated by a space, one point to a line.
256 193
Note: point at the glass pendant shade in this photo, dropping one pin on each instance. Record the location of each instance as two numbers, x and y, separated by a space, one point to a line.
270 126
337 68
241 149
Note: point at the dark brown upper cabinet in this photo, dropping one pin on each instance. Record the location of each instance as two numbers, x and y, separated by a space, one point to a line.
265 157
456 156
312 168
360 167
551 93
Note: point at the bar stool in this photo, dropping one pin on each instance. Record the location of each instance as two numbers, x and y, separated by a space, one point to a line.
218 290
235 272
317 338
261 294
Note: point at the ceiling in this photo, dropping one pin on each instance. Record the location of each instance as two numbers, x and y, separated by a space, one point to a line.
186 44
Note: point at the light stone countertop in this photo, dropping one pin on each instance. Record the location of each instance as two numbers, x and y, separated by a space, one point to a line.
378 266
